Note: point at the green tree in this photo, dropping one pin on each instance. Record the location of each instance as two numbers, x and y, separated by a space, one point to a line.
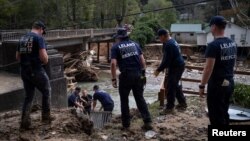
165 17
68 13
27 12
6 11
132 7
145 31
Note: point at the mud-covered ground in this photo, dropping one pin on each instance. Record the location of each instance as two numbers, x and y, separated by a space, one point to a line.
188 125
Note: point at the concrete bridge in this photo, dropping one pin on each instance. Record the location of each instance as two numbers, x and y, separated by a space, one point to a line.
12 94
64 38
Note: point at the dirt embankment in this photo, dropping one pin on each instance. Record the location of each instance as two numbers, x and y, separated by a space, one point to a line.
66 126
190 125
153 52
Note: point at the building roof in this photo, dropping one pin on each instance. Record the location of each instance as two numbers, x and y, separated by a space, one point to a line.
185 28
207 30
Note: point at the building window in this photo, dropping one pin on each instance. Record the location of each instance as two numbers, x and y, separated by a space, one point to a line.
191 34
243 37
232 37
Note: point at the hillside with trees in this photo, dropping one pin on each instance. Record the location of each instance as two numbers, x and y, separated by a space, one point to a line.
18 14
64 14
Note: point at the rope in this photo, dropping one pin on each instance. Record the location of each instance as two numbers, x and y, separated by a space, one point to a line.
9 64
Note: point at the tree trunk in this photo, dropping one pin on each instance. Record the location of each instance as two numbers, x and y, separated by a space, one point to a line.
73 2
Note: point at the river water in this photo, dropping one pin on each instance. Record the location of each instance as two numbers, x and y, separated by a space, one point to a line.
104 82
152 87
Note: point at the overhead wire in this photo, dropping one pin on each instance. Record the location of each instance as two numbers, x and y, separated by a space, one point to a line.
139 13
150 11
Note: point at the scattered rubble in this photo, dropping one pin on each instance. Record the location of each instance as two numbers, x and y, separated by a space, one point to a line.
78 67
150 134
66 125
189 125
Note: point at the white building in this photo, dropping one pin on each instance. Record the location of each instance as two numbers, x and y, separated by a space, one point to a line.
239 34
185 33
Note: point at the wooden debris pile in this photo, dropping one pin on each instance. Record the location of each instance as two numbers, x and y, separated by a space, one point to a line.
78 68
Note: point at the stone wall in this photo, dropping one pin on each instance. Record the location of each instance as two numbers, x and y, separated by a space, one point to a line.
13 99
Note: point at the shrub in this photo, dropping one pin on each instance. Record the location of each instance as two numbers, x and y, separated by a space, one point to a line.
144 32
241 95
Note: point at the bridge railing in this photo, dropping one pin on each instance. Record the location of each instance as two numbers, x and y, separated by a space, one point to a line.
4 36
11 36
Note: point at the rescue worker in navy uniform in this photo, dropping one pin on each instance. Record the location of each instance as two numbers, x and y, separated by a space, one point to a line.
104 97
32 54
128 55
175 65
218 72
74 100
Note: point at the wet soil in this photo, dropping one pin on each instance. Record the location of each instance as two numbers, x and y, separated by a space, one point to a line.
188 125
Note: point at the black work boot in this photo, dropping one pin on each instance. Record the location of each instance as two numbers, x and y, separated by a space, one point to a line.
125 129
47 117
25 123
147 126
167 111
181 107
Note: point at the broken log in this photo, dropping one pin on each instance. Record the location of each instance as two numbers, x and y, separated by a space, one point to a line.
77 65
70 71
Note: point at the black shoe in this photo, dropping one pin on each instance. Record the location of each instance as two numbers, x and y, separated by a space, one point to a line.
167 111
147 126
181 107
25 124
48 118
125 129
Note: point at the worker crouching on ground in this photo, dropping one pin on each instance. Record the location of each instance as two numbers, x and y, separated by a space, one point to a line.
74 100
128 55
218 72
104 98
174 63
88 100
32 54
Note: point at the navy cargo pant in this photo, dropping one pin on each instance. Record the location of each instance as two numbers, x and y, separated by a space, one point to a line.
35 79
108 108
173 88
132 81
218 97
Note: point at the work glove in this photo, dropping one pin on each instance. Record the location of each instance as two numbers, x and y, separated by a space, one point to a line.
201 90
144 78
